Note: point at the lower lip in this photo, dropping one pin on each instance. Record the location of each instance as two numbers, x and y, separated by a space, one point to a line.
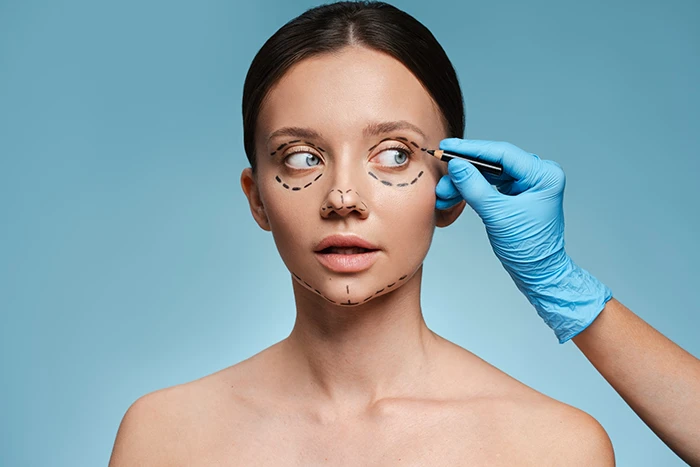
347 263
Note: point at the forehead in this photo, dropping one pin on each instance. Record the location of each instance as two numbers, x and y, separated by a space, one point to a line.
339 93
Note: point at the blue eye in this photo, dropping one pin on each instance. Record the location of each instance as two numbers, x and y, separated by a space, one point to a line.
393 157
302 160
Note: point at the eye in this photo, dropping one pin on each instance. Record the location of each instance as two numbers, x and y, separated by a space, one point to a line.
393 157
302 160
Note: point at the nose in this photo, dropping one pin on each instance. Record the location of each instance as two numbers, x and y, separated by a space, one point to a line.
343 202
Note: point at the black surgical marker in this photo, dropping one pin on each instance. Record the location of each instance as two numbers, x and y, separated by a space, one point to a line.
489 167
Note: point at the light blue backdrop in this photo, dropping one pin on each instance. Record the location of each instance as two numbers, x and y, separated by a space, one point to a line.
128 254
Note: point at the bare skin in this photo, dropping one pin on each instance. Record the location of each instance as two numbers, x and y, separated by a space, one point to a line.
465 413
658 379
360 380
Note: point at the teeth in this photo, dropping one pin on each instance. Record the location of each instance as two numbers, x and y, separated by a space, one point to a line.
347 251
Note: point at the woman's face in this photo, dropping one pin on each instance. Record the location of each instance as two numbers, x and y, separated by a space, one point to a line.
340 154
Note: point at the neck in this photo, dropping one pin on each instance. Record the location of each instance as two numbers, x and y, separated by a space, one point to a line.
351 357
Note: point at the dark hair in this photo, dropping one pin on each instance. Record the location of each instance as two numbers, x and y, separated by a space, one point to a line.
330 27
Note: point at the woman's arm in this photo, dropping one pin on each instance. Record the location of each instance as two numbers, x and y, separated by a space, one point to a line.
659 380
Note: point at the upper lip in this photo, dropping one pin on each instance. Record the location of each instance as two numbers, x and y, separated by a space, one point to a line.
344 241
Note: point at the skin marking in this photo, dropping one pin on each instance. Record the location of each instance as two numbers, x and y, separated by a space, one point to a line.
403 184
342 199
380 142
347 288
296 188
279 180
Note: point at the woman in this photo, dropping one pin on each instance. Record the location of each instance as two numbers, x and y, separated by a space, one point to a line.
340 106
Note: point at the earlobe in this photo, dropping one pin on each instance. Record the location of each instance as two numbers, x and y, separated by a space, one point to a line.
251 191
445 217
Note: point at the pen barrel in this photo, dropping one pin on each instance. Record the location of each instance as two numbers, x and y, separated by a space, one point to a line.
482 166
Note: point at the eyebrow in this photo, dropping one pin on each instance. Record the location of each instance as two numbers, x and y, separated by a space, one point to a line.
372 129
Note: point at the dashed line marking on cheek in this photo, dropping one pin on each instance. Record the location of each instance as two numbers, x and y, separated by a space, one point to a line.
296 188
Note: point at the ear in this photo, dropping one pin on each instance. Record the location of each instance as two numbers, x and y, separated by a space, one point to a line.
250 188
445 217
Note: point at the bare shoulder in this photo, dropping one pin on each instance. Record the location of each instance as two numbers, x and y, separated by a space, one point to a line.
563 435
534 427
170 425
148 433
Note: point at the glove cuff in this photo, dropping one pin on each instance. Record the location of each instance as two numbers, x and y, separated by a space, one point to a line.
571 303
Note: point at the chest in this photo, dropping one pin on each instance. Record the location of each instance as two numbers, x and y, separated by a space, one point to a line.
408 443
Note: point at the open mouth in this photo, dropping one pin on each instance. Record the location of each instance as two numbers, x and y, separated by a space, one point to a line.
344 250
346 253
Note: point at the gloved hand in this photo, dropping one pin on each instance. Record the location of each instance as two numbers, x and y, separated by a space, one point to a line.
524 220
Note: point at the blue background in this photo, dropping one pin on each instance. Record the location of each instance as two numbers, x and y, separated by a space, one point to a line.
128 253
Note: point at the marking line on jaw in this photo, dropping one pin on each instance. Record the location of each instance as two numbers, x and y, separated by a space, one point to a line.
347 288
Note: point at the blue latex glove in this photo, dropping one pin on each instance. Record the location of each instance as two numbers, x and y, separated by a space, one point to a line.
524 218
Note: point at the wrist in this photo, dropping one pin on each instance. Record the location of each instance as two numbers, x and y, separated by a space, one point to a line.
569 302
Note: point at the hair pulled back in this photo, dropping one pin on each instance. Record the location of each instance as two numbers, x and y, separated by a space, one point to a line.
331 27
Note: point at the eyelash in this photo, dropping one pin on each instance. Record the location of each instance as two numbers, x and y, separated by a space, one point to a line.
409 153
300 150
406 150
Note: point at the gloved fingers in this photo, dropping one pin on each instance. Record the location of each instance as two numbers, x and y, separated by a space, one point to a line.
447 203
446 190
472 185
516 163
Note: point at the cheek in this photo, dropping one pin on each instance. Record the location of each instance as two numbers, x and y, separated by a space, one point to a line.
286 210
411 213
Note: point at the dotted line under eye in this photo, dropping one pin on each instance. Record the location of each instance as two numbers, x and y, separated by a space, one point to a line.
347 288
403 184
388 183
296 188
284 184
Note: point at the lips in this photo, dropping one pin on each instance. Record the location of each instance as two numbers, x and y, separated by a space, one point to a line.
344 241
346 253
